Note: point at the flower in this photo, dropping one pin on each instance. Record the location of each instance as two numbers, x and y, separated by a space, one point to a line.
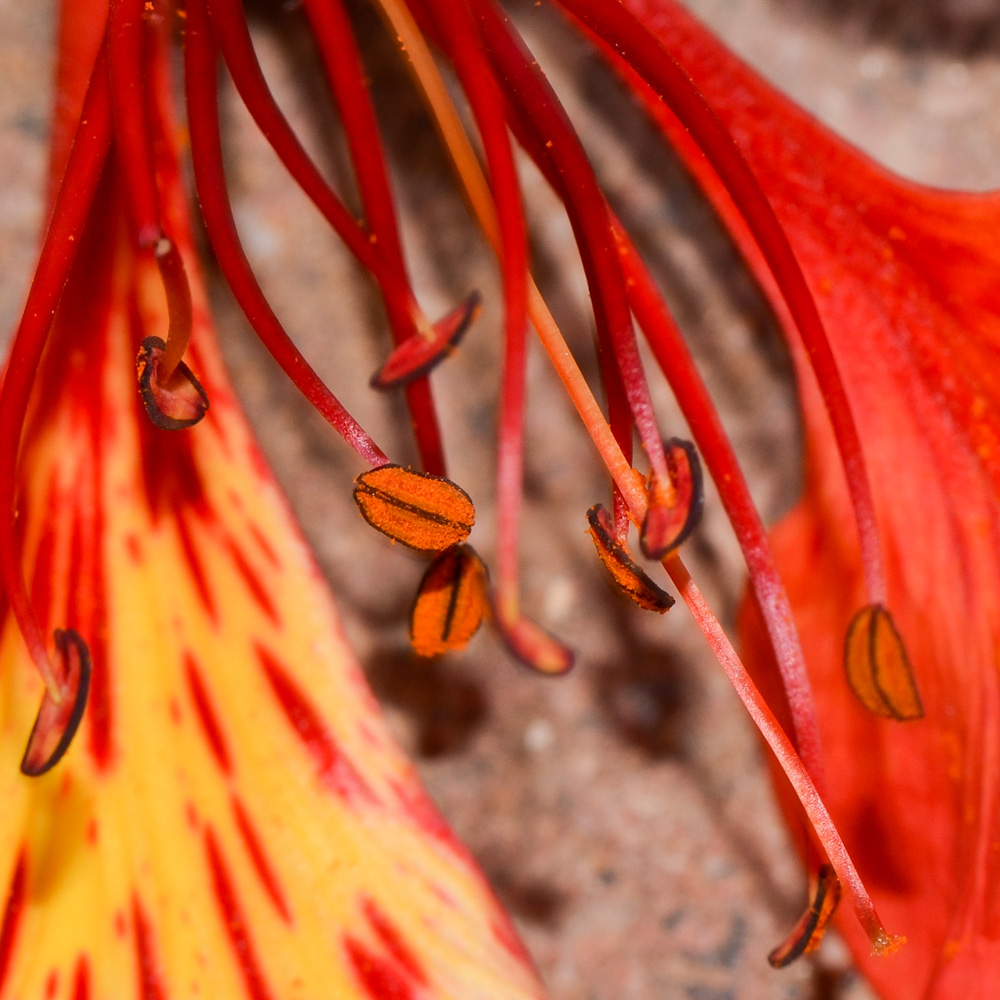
904 278
229 751
232 818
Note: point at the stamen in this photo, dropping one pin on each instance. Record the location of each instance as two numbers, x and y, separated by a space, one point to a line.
451 602
675 361
788 760
878 669
129 96
631 577
421 352
174 403
350 90
180 312
545 131
59 717
71 209
675 507
424 512
206 157
638 53
808 932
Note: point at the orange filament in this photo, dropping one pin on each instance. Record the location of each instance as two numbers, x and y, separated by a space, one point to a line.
179 308
808 932
450 604
878 669
425 512
622 567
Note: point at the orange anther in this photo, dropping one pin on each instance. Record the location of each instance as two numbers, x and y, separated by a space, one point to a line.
878 668
620 564
425 512
451 602
674 507
808 932
57 722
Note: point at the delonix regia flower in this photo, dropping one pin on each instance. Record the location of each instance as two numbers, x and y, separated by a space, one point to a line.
905 279
231 818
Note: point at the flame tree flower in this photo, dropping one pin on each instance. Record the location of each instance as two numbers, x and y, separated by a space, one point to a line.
232 819
150 542
904 278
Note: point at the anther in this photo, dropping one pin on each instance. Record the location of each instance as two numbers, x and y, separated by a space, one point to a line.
422 351
808 932
626 572
451 602
674 507
878 669
174 403
427 513
58 719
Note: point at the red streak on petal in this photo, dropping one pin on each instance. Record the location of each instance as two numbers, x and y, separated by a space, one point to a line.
195 567
206 714
121 928
81 979
12 912
99 710
380 979
234 922
336 771
134 549
259 859
265 546
172 480
150 987
389 935
422 812
91 831
504 932
52 984
252 580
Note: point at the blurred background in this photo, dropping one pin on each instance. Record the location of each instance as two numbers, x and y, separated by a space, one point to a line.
621 812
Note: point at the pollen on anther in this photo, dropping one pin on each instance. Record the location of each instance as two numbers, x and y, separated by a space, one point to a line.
451 602
626 572
878 668
426 513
